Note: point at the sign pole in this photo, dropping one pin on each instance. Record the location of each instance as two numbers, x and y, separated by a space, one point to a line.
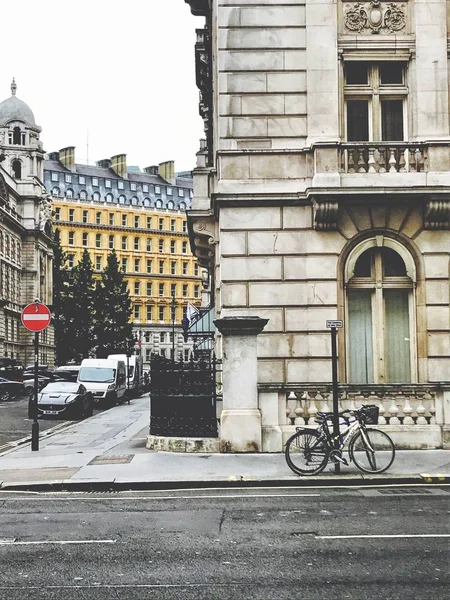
334 367
35 317
35 425
334 326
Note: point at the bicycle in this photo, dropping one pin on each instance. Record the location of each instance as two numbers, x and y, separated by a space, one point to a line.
309 450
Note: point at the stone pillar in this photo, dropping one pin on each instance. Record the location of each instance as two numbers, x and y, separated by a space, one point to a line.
241 417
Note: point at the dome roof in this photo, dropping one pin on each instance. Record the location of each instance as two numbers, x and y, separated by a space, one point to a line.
13 109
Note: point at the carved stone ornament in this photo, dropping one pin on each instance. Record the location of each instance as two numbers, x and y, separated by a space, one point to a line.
375 17
325 214
204 241
437 214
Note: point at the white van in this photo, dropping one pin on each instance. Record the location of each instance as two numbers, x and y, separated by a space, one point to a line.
105 378
135 373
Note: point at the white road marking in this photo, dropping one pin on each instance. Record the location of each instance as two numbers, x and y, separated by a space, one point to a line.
60 542
199 497
382 536
123 586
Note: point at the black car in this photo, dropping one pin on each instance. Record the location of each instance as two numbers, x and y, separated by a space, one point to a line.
66 399
10 389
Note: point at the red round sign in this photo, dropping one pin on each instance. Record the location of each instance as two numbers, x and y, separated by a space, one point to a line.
36 316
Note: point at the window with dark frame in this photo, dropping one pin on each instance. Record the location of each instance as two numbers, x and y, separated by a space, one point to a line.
375 96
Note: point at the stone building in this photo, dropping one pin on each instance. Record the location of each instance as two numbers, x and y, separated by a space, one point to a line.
322 191
25 225
142 215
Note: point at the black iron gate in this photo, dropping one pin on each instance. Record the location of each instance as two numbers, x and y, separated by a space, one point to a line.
183 397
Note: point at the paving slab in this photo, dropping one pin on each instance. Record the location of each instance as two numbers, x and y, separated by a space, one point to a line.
109 450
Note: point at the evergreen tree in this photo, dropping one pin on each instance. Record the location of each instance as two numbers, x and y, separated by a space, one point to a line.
62 303
112 303
83 285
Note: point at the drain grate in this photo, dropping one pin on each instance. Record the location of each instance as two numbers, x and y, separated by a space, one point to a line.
112 460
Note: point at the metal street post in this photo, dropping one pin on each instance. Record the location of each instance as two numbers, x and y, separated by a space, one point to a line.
35 317
334 326
35 425
173 327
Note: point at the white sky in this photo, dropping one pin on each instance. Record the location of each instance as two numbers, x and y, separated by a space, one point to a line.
120 73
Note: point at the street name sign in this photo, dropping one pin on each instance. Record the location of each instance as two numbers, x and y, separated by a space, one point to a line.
36 316
336 324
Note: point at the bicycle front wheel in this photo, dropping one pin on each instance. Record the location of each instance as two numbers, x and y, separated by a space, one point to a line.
306 453
372 451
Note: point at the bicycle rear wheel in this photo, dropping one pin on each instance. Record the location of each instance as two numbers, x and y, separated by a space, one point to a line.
306 453
372 451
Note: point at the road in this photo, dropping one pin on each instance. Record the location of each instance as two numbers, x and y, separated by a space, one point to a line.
309 544
15 425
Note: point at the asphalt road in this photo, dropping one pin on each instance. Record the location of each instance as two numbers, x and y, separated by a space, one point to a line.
309 544
15 425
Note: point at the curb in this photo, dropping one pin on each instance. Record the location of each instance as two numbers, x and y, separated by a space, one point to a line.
11 446
435 478
232 482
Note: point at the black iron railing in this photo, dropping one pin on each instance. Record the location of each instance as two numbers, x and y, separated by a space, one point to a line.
183 397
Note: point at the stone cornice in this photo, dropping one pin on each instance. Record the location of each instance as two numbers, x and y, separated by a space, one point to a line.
240 325
199 8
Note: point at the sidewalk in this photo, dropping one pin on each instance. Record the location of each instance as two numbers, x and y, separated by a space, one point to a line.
108 451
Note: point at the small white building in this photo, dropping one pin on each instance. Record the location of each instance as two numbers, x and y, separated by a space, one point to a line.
322 192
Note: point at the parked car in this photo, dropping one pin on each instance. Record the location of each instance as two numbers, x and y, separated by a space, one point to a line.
43 380
10 389
66 399
68 372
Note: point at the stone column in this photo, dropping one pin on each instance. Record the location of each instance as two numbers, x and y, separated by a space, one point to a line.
241 417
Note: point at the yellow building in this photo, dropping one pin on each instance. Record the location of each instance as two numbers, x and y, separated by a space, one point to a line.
141 216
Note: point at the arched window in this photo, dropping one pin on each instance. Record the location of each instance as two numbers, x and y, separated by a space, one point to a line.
182 205
17 169
109 198
147 202
158 203
379 280
69 193
55 192
170 205
134 201
83 195
122 199
17 138
96 196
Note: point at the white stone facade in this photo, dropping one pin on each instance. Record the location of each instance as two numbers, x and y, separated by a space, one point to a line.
25 230
326 195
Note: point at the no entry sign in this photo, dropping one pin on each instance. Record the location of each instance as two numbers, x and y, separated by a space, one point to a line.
36 316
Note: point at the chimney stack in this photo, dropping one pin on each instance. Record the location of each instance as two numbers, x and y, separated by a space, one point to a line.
167 171
53 156
119 165
67 157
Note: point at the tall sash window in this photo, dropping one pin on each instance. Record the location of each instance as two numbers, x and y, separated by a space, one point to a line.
380 317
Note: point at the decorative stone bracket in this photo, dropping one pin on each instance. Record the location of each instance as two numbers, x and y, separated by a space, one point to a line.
437 214
205 239
374 17
325 214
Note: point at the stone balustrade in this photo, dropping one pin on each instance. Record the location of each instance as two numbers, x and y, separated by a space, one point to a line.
384 157
415 415
399 405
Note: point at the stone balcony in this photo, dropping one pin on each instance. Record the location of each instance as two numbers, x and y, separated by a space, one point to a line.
393 157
